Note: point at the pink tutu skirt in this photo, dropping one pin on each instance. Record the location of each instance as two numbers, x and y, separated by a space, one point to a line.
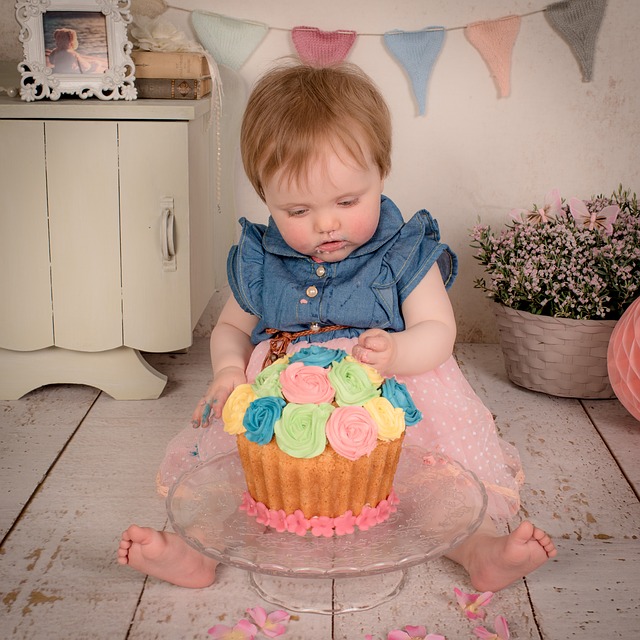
455 423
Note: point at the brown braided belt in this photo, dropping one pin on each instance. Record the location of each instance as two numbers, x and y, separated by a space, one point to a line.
282 339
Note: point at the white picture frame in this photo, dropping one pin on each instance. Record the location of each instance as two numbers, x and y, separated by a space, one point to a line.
77 47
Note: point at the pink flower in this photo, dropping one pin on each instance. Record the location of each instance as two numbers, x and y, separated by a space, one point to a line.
501 633
322 526
277 520
244 630
393 500
297 523
345 523
263 513
383 511
248 504
273 624
471 603
409 631
368 518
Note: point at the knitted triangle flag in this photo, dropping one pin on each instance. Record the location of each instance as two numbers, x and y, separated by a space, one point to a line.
494 40
578 23
417 52
322 48
229 41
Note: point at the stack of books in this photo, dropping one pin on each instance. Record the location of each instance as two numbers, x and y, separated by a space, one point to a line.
177 75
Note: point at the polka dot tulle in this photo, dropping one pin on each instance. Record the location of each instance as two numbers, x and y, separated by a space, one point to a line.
456 423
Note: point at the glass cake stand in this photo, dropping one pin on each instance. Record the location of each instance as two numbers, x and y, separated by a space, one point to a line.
441 503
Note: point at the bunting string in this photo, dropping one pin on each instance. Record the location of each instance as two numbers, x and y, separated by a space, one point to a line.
232 40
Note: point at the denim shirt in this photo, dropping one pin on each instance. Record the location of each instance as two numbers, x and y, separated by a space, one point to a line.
289 291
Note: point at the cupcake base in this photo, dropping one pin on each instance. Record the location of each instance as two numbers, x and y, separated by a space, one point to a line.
327 485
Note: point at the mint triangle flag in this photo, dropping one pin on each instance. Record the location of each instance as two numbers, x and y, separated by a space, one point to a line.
229 41
494 40
417 52
322 48
578 22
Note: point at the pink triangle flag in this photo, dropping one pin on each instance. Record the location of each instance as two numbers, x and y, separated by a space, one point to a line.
494 40
322 48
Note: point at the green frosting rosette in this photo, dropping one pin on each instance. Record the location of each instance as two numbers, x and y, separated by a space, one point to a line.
267 382
300 432
352 384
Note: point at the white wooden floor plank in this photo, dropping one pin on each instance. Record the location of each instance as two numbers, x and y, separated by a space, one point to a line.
167 612
33 431
621 431
591 592
59 579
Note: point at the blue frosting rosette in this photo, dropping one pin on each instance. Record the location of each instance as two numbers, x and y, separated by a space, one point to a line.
398 395
318 356
260 417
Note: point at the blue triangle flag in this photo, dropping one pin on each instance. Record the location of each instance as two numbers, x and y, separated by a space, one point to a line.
417 52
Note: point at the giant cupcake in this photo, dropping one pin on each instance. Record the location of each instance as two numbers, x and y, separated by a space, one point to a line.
319 436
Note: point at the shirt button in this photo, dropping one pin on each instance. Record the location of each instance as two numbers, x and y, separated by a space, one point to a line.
314 326
312 292
321 271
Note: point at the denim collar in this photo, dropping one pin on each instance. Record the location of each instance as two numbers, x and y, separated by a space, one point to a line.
390 223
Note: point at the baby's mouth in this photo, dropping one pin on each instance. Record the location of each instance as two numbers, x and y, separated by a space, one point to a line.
330 247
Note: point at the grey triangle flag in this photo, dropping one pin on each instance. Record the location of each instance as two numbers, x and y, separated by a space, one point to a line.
578 22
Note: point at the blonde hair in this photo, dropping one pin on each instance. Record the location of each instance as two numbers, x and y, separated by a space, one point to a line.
295 111
66 36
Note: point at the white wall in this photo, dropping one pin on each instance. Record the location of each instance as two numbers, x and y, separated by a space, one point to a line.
472 155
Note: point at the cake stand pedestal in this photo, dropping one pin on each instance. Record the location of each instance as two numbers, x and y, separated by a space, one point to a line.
441 504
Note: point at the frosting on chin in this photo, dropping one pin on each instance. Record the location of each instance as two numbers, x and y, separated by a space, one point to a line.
352 432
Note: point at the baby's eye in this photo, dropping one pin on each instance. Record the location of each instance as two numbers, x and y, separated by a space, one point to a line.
297 212
348 203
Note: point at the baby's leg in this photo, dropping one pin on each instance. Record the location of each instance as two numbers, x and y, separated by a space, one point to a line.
494 562
167 556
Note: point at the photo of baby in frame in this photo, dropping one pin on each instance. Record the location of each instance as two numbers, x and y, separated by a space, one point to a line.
79 47
76 41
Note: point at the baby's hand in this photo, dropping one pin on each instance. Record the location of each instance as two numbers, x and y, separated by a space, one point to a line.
210 406
376 348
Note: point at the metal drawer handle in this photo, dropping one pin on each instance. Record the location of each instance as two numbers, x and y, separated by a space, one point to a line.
168 241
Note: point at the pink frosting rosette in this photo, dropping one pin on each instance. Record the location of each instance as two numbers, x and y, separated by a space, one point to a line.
305 384
352 432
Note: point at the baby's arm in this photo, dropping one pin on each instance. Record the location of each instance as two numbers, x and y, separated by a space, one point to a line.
428 338
231 349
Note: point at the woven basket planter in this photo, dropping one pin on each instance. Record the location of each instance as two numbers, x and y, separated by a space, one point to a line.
559 356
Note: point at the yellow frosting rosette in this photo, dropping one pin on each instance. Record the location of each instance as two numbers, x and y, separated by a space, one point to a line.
235 407
390 419
375 378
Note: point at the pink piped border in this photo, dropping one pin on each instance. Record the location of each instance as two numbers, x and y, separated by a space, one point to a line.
319 525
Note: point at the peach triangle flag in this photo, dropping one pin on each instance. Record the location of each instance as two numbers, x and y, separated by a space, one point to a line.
322 48
494 40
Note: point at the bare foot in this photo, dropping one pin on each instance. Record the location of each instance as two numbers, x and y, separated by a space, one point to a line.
167 556
498 561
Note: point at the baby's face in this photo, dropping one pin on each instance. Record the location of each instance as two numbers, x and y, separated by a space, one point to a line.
331 213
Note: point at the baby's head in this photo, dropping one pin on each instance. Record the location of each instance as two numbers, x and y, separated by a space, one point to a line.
65 38
296 112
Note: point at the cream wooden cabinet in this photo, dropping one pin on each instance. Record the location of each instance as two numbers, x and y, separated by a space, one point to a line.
107 240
